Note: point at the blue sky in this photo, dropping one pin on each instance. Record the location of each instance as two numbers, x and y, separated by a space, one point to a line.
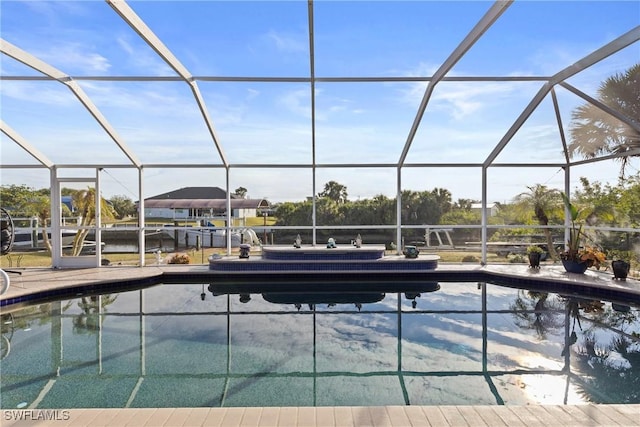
269 123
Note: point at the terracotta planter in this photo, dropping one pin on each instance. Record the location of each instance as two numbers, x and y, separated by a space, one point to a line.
572 266
620 269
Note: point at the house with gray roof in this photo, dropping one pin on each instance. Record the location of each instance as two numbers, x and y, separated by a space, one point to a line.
201 203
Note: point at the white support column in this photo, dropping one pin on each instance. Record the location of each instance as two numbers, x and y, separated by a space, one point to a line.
567 191
228 231
141 222
314 206
399 211
98 202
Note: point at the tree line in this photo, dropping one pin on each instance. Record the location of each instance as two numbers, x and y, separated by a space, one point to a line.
610 205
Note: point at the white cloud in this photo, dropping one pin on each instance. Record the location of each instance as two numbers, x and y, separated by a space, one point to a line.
287 42
252 93
459 99
296 101
52 94
75 56
144 59
463 100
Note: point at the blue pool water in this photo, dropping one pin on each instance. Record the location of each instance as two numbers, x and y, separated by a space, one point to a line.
452 343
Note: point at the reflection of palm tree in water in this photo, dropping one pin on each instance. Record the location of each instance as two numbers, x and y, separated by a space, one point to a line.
610 372
607 377
89 320
573 308
536 311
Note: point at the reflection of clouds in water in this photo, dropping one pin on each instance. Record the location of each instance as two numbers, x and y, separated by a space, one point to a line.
617 361
346 342
185 297
512 347
500 298
272 343
181 299
203 327
539 389
454 342
343 342
454 328
435 342
452 296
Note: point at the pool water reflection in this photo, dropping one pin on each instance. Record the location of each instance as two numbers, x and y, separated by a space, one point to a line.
438 344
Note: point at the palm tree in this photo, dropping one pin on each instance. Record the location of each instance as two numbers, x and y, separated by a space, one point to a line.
543 201
335 191
84 202
41 206
241 192
595 132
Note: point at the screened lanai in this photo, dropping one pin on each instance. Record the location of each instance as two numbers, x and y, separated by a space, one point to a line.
141 98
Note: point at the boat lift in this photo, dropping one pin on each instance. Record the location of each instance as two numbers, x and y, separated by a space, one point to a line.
437 232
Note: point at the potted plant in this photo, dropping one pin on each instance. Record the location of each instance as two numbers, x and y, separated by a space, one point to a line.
534 252
576 259
410 252
621 264
620 269
593 257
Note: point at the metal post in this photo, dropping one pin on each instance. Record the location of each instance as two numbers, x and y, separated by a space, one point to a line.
484 215
141 222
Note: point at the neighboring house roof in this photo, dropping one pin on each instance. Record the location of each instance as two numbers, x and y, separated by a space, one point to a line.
202 197
194 193
206 203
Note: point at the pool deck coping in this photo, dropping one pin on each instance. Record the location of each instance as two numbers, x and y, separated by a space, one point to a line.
33 281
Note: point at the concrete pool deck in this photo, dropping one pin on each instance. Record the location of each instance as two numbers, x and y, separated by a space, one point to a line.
395 416
33 281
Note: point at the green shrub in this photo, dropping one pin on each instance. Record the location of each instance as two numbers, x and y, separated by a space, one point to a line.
518 259
179 259
534 249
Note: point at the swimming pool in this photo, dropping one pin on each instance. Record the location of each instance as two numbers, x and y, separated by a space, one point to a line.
192 345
